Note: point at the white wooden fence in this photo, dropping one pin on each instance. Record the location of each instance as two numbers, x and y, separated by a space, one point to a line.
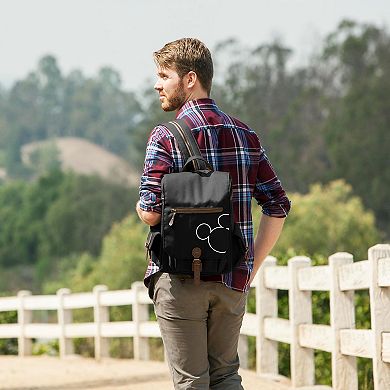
341 277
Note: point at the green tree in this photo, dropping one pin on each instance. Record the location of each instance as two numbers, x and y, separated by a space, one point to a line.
3 127
83 213
16 240
99 110
122 260
52 96
8 346
152 116
45 159
48 104
326 220
120 263
282 104
358 57
56 216
21 114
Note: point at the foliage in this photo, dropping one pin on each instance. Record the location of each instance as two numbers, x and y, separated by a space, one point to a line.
120 263
56 216
313 120
72 270
282 104
122 260
153 115
8 346
45 159
83 213
50 348
357 128
16 278
12 227
323 121
328 219
48 104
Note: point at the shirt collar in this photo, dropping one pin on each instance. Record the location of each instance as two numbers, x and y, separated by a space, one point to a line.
198 104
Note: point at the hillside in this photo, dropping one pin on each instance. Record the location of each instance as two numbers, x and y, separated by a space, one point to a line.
84 157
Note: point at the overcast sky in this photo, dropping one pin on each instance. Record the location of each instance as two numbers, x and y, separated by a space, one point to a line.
89 34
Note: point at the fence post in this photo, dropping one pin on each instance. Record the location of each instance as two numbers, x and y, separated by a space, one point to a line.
64 317
380 315
24 318
300 312
101 314
140 314
342 316
266 306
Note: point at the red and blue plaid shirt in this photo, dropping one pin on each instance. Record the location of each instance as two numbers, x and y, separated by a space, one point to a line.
228 145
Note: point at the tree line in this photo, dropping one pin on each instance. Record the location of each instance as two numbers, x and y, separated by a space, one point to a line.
60 215
325 121
321 121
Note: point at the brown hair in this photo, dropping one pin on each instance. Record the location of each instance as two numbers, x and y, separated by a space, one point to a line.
185 55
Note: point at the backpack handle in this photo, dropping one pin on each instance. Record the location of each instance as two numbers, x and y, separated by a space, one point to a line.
200 158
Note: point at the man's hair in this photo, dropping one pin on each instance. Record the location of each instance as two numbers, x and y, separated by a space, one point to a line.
185 55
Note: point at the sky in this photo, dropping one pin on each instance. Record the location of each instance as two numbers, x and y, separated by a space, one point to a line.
122 34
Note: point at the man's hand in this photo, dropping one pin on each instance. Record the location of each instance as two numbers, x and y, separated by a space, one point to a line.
149 217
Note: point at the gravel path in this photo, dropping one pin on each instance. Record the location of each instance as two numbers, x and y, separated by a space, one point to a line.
77 373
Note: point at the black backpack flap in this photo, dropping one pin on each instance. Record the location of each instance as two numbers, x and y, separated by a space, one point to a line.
196 189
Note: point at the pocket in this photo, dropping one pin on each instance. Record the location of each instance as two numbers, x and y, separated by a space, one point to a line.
206 228
193 210
239 248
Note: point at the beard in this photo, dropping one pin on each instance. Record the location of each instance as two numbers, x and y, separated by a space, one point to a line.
176 100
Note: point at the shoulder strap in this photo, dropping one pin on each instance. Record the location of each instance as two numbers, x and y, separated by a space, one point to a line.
184 151
189 137
186 141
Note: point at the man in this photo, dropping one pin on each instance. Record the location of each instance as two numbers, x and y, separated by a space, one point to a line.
200 325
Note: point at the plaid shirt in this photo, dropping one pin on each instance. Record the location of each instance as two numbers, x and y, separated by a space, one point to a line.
228 145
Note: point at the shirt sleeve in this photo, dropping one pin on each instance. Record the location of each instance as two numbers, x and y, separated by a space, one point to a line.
269 192
158 162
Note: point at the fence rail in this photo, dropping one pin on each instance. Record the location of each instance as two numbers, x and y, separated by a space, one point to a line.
340 277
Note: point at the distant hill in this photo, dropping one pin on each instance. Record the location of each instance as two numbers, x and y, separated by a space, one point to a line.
84 157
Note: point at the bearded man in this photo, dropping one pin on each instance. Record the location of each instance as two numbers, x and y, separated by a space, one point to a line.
200 325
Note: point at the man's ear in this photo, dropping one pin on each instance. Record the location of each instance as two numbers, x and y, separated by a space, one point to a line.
191 78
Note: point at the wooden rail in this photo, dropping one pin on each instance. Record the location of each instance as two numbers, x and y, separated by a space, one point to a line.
341 277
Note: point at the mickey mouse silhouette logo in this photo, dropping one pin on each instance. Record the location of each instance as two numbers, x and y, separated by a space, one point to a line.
215 236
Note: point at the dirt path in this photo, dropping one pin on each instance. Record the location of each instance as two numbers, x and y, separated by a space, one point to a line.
77 373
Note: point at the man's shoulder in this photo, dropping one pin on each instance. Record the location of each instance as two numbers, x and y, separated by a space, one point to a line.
160 132
242 126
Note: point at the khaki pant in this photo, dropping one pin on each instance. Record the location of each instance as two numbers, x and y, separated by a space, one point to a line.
200 327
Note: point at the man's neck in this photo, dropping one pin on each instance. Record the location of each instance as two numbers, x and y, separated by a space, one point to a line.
194 96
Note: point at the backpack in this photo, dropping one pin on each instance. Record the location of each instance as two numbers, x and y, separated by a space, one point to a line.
197 234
